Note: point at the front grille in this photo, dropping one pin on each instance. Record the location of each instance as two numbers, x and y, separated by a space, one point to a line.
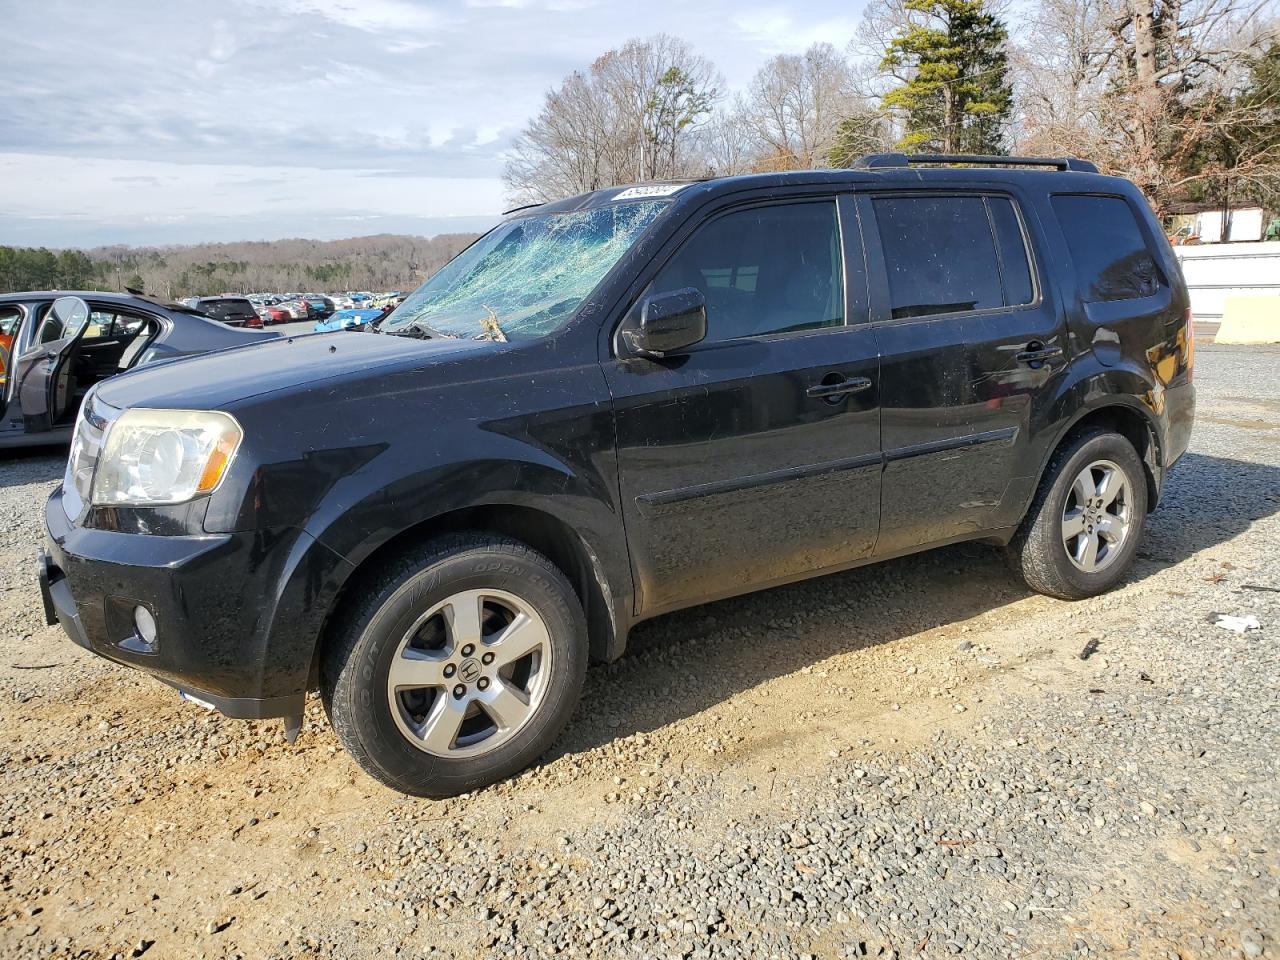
86 445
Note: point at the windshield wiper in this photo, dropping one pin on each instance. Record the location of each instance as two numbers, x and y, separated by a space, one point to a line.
417 330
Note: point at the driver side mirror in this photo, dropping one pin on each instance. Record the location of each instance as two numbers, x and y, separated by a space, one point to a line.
669 322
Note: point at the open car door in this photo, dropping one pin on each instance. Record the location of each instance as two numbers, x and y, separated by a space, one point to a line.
43 374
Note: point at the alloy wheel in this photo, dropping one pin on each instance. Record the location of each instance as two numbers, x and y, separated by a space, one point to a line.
1095 519
470 673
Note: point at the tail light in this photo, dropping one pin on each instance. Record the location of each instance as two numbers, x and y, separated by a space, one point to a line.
1191 342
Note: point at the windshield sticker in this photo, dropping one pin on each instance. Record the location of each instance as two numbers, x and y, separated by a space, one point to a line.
650 190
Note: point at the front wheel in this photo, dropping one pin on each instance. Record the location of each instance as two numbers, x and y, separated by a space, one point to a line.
1082 531
457 666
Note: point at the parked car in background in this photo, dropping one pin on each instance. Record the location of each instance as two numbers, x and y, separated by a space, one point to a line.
320 306
349 320
53 361
276 313
233 311
296 310
868 362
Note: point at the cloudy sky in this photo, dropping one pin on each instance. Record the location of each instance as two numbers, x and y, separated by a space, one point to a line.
140 121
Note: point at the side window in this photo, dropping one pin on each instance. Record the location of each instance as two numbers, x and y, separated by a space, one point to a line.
1110 254
765 270
126 325
99 325
1015 270
952 254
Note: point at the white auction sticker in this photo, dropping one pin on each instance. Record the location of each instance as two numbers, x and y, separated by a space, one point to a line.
650 190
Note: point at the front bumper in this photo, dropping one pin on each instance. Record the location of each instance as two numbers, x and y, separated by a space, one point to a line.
237 615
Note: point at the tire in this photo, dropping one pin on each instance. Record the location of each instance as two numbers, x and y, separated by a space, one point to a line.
1042 550
400 733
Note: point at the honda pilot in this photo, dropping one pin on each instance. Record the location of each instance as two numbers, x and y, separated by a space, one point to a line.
618 405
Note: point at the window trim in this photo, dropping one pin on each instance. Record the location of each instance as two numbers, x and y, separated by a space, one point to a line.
1037 286
843 211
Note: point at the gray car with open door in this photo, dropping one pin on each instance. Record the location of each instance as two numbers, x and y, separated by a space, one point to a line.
54 347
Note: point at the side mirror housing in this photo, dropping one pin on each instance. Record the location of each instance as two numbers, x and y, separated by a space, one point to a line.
66 317
669 322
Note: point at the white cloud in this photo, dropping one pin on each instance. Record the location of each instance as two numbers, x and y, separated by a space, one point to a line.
362 107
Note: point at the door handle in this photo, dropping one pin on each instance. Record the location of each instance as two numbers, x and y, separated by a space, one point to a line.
1037 353
838 388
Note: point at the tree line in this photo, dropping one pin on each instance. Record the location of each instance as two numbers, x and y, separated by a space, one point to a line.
1180 96
383 262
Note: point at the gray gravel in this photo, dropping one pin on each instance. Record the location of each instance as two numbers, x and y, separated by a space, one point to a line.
906 760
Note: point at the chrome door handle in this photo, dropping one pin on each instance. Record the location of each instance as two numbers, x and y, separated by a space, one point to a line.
1037 353
840 388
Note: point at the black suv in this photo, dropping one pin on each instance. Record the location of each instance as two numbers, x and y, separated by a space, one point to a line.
617 405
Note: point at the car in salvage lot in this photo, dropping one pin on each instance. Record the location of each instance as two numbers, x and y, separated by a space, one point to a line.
723 385
52 364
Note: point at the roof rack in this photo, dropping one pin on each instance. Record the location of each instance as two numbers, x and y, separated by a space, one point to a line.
879 160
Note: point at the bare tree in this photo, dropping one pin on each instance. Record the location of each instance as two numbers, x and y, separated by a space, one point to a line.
633 115
726 143
1142 86
795 104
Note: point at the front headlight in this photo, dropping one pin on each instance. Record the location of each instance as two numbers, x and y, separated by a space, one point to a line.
155 457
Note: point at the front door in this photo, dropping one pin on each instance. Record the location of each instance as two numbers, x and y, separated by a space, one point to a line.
45 385
754 457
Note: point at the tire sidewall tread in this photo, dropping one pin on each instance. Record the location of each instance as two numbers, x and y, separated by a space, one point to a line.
1036 551
365 636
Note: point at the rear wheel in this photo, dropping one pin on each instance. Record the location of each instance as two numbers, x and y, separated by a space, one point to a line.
457 666
1082 531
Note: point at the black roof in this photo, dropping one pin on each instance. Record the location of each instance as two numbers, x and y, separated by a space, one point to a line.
886 169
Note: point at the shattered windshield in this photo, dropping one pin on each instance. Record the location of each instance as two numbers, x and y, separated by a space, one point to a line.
525 278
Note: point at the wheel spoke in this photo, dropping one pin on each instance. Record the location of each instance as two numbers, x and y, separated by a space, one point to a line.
464 616
522 637
1083 487
1111 529
505 704
1089 554
1110 487
1072 524
413 668
440 729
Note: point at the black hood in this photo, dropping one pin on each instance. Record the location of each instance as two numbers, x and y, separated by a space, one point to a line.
219 379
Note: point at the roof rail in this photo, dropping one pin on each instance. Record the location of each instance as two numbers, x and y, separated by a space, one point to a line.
878 160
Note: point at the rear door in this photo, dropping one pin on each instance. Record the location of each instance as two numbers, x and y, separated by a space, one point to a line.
952 318
45 384
754 458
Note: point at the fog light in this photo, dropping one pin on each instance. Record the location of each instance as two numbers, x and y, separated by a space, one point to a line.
145 624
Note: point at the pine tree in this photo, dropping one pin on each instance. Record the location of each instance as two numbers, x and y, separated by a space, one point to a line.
956 96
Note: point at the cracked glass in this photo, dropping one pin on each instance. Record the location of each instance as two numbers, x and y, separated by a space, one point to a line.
526 277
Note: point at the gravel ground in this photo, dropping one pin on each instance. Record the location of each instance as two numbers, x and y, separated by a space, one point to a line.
905 760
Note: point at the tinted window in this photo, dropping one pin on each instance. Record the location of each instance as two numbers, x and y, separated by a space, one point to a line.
1110 254
765 270
940 255
1015 271
226 309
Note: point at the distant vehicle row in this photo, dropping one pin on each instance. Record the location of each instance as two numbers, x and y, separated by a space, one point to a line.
264 309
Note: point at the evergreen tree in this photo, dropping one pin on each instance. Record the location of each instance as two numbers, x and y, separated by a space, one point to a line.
956 95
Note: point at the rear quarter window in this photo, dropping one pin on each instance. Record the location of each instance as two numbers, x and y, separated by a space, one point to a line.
1107 246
